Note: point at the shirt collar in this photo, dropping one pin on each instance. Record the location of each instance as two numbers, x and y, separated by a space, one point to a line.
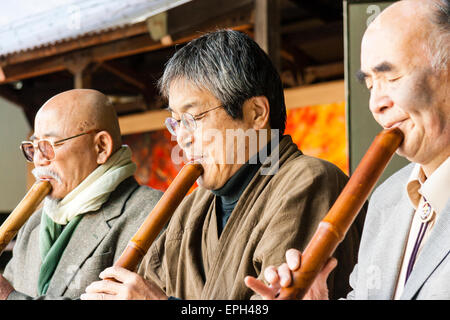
434 188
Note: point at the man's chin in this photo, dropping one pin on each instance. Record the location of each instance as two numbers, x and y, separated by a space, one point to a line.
209 183
54 196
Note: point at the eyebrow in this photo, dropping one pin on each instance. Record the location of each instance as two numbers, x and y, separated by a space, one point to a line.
382 67
361 76
50 134
184 108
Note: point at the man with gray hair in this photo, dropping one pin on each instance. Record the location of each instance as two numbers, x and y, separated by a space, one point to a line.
95 205
253 200
404 252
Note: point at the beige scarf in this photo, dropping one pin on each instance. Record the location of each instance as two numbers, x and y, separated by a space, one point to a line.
94 190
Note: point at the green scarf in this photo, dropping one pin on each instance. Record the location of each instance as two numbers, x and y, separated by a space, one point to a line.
53 239
58 225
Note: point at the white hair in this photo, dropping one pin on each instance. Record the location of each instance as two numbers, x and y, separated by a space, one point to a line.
438 46
50 205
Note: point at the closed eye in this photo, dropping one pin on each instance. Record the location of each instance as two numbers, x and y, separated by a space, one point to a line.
199 117
177 120
394 79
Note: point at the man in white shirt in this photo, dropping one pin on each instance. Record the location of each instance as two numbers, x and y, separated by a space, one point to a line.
404 252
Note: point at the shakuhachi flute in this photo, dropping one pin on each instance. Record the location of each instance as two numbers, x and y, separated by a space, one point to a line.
332 229
38 191
159 216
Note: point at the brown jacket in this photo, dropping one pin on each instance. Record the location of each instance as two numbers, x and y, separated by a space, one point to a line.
274 213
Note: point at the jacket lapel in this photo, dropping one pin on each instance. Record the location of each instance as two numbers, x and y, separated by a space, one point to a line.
86 237
433 252
390 256
210 237
89 233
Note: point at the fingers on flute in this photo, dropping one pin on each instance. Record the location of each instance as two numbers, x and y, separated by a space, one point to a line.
98 296
102 290
329 266
285 275
259 287
293 259
271 276
276 277
117 273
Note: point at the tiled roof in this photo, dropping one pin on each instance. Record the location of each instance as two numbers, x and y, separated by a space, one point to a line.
30 24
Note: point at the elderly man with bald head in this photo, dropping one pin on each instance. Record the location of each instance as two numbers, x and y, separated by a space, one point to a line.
404 251
95 205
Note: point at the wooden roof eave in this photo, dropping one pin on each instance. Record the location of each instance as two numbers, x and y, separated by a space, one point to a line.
127 41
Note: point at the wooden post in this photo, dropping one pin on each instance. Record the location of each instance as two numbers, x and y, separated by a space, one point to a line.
267 29
82 80
78 65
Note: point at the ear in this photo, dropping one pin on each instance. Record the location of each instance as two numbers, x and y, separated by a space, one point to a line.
103 146
258 112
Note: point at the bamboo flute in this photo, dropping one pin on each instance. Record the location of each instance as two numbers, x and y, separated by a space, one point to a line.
159 216
332 229
38 191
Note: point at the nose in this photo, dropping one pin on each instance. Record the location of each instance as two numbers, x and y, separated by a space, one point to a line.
184 136
38 159
380 101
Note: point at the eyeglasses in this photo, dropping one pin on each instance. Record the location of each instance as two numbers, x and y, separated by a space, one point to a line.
188 120
46 146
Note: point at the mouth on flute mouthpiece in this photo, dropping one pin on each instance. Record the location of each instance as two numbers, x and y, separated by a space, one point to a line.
195 160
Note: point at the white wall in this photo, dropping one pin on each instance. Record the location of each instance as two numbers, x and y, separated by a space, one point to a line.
13 172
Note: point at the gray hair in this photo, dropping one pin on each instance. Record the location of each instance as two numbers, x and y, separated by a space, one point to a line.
439 40
233 68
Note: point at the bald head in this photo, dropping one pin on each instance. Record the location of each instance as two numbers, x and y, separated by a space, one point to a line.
419 26
81 110
405 65
86 124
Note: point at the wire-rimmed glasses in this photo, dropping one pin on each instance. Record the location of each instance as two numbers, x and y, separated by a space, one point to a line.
46 146
188 120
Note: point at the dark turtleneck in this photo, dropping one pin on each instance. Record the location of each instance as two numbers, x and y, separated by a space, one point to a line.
228 195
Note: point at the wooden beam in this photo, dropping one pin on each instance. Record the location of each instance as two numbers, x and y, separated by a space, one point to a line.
142 122
129 76
79 43
195 10
128 104
233 14
109 51
316 34
32 69
267 28
321 93
126 74
322 72
118 49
